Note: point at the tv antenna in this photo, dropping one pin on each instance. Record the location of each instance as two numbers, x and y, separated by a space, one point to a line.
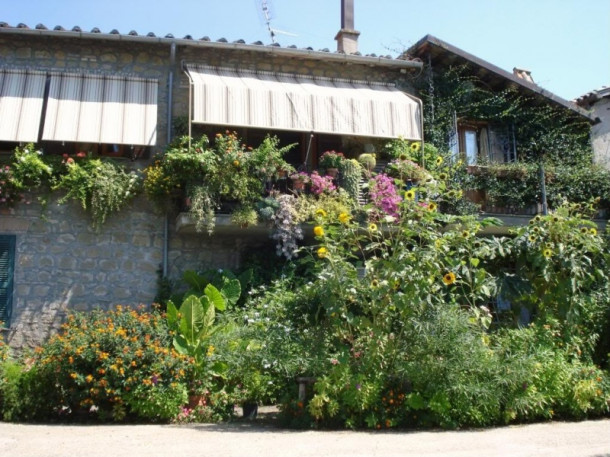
266 9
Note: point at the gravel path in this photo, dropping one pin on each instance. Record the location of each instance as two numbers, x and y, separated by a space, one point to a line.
556 439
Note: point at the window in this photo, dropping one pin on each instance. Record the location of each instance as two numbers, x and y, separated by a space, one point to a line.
7 265
478 141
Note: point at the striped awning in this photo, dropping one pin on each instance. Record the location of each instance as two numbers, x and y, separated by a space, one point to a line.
101 109
21 100
292 102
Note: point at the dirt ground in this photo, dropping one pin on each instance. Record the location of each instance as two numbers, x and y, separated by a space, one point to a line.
259 438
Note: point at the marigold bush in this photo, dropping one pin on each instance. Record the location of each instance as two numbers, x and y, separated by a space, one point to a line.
110 365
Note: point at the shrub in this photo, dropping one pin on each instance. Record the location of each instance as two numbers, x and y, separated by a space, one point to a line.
112 365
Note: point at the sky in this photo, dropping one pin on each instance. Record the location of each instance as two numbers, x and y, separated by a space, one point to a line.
564 43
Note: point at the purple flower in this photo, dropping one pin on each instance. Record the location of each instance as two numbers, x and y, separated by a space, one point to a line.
358 386
383 195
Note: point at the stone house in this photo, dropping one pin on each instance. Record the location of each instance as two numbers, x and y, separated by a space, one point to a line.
123 95
485 139
597 102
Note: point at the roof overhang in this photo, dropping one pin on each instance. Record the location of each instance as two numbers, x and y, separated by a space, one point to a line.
442 53
289 52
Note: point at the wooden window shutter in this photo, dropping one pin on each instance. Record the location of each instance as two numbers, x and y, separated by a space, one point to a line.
7 267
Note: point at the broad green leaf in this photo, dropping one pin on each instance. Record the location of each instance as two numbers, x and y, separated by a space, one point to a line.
192 317
232 291
172 314
209 316
194 280
181 345
215 297
474 262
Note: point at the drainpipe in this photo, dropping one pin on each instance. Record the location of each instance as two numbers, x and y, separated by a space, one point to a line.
170 101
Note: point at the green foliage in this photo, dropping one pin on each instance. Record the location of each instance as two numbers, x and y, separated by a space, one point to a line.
100 186
113 365
558 133
194 323
29 168
351 174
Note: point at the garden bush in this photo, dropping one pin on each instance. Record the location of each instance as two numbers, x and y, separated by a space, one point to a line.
115 365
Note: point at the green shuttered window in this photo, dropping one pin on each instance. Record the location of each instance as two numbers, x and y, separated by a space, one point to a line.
7 266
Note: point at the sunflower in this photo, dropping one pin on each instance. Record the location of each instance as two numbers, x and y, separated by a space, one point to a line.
410 195
442 176
584 230
320 212
531 238
465 234
372 227
449 278
318 231
374 283
322 252
415 146
439 161
344 218
547 253
593 231
432 206
236 163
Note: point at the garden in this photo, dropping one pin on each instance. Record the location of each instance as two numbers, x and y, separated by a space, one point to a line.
390 297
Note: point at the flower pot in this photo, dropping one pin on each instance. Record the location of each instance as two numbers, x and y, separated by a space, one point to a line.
298 184
332 172
250 410
197 400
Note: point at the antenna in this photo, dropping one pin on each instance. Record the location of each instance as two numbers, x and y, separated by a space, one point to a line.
267 14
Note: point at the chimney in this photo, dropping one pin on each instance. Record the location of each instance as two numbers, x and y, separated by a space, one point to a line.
523 74
347 38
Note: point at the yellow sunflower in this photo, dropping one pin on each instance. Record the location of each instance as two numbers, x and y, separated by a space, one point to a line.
432 206
449 278
318 231
593 231
372 227
320 212
322 252
344 218
439 160
236 163
410 195
415 147
547 253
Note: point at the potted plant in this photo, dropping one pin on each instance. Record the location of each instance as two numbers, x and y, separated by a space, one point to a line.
367 160
331 161
299 180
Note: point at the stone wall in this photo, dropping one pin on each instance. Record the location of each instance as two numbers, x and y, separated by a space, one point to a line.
62 264
600 133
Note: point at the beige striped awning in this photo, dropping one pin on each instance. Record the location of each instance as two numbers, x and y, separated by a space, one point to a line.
21 100
292 102
101 109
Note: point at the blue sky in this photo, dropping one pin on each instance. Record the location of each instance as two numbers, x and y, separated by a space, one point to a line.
565 43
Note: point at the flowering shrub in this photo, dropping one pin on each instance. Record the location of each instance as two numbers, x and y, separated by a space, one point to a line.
286 230
384 196
112 365
321 184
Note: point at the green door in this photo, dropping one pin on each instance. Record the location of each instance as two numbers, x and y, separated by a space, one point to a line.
7 266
